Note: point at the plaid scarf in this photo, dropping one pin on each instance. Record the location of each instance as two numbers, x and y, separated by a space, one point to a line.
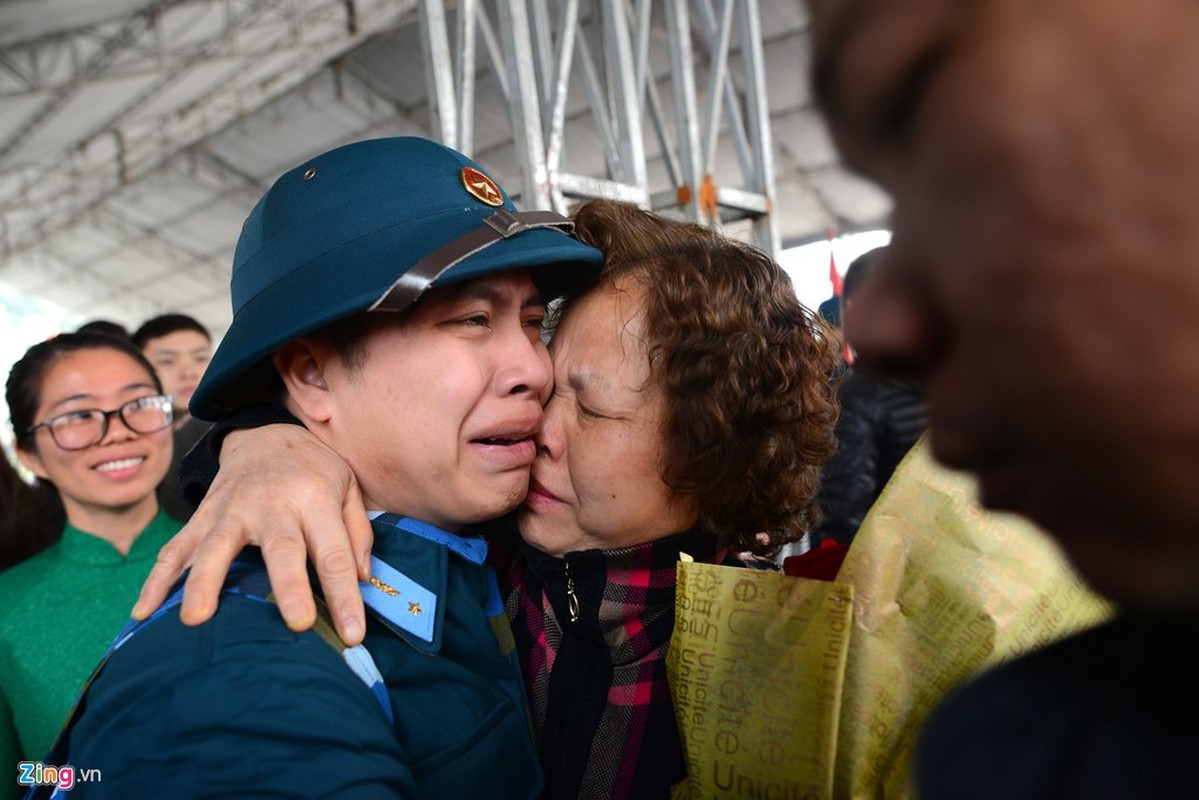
601 705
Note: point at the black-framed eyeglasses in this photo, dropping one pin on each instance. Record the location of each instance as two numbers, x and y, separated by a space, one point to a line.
80 429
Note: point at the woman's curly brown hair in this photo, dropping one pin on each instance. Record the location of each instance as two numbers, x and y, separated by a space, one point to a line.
748 371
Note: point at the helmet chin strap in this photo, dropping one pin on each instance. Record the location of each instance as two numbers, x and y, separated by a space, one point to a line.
503 224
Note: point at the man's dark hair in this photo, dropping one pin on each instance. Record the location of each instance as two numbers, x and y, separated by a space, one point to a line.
165 325
860 269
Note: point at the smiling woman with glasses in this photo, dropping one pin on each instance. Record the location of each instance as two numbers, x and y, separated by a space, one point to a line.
91 421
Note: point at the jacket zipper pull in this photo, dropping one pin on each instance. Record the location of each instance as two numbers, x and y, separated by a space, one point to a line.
572 599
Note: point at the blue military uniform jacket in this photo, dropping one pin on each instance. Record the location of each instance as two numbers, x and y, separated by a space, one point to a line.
243 707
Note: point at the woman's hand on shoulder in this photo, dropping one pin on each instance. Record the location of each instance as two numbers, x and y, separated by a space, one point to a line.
281 488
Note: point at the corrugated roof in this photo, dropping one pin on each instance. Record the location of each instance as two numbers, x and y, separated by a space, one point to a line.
135 136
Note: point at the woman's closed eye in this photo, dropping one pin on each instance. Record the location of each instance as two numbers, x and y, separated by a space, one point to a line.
587 412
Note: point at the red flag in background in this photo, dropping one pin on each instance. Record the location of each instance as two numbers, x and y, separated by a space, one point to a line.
833 276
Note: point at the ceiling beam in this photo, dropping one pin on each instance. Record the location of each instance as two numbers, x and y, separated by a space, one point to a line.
58 195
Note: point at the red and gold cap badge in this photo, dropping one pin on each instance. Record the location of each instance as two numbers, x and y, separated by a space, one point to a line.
480 187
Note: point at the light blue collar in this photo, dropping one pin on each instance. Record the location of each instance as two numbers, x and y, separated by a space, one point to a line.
472 548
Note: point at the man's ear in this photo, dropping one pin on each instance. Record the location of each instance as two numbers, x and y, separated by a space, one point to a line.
303 365
32 462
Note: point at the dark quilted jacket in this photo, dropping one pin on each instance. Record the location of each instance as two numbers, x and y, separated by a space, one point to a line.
879 423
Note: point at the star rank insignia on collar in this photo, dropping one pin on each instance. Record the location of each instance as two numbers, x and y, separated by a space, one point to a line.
480 187
399 601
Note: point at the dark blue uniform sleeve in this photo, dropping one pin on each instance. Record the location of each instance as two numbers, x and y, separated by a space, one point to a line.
238 707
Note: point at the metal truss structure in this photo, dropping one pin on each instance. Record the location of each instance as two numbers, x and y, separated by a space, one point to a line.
621 95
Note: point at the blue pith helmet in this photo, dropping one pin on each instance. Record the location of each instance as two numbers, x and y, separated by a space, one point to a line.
370 226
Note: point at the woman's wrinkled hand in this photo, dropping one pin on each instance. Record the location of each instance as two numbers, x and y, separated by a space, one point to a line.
282 489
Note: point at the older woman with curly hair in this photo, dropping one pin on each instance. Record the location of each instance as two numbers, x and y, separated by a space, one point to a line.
694 404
